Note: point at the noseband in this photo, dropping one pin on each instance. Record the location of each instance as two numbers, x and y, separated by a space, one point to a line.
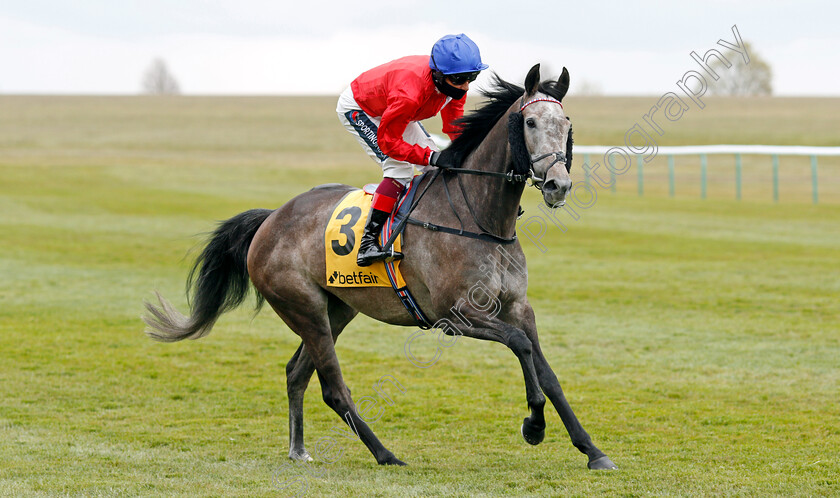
559 157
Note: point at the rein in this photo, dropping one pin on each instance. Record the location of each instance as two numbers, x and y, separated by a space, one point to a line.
485 235
509 176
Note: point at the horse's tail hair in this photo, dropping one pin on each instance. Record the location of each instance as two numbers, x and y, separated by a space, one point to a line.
218 282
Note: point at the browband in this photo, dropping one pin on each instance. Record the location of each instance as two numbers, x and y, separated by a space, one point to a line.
543 99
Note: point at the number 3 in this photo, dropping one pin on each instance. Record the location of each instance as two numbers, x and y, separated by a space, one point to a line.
355 213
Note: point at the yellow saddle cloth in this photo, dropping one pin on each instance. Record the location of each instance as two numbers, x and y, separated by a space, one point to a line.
341 245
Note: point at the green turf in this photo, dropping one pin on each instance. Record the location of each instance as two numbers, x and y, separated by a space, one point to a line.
698 341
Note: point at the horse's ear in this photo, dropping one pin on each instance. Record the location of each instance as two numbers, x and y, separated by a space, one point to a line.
563 83
532 81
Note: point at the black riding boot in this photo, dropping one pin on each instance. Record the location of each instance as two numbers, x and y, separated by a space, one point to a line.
369 249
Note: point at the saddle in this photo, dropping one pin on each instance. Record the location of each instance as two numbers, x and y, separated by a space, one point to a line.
345 228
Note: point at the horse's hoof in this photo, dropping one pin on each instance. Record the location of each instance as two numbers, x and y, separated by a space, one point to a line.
533 435
392 460
603 463
302 457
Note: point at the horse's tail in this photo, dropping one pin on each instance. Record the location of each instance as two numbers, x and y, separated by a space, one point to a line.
218 282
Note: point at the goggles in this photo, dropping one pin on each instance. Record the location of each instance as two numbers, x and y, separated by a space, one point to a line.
461 78
458 78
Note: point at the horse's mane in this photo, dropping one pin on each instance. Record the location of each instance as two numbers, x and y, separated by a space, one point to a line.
477 124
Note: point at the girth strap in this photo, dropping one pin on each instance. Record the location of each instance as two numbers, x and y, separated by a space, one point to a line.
406 298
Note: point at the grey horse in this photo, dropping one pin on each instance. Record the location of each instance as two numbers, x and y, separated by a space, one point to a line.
518 133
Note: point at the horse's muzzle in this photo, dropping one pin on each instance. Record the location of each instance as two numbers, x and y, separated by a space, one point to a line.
555 190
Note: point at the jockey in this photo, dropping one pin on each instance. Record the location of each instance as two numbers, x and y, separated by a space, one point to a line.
383 108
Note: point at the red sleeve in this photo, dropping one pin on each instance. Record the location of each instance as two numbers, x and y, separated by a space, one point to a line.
452 112
394 121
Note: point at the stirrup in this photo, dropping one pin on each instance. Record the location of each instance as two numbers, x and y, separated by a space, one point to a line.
380 255
393 255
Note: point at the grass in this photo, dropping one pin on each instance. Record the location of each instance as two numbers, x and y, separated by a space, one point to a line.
697 340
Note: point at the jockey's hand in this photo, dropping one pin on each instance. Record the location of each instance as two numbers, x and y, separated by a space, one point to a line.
441 160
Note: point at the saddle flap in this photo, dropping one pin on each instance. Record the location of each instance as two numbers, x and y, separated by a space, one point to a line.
341 235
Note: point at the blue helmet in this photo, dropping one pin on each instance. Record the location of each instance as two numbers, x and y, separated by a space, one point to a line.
455 54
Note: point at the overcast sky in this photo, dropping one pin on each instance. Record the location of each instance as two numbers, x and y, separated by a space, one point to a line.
318 46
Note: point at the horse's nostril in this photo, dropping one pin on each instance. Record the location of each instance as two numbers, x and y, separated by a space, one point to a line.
564 186
553 186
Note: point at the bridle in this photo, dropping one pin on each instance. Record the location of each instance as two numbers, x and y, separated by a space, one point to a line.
510 176
536 181
559 157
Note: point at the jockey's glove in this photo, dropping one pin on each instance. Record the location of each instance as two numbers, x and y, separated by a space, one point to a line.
441 160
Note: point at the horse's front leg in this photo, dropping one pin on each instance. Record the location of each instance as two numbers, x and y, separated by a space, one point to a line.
524 314
490 329
533 426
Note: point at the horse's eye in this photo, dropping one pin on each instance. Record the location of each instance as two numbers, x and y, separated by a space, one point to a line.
531 123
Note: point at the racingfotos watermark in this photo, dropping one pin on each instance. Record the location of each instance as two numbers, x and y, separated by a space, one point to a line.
293 478
639 139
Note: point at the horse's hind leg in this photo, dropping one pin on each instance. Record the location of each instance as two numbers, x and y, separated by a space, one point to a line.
298 373
306 314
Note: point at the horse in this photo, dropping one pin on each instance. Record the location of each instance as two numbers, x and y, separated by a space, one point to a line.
518 134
